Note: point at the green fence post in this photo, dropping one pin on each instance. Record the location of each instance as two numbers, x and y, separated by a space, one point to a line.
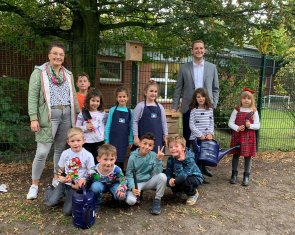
260 90
134 84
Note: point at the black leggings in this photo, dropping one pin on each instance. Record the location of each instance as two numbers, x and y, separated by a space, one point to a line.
187 185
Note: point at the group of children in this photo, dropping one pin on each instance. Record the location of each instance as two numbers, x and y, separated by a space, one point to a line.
98 147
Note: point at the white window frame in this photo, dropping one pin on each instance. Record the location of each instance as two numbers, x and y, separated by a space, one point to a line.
164 80
117 80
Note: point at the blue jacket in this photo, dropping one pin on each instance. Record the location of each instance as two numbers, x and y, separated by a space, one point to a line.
188 167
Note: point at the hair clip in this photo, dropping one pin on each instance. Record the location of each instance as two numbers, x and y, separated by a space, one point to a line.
247 89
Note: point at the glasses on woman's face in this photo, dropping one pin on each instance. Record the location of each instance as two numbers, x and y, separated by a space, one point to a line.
57 54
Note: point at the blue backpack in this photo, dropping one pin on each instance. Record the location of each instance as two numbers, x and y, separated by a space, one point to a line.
83 208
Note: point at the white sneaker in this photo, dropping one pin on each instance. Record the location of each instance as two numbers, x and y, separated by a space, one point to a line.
55 182
33 191
192 199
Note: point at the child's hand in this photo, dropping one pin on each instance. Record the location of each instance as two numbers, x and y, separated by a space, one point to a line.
136 141
203 137
248 124
136 192
75 185
161 154
89 126
121 193
241 128
209 136
172 182
81 182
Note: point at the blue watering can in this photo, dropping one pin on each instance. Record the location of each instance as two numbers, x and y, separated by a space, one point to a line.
210 153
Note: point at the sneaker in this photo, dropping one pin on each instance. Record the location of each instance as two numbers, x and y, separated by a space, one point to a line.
55 182
156 207
33 191
192 199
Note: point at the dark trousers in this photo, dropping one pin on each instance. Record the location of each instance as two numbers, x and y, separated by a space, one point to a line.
92 148
185 127
187 185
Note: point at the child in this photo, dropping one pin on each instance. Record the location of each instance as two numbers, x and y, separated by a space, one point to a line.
83 84
118 127
149 116
148 169
201 123
183 175
106 176
73 166
94 127
243 121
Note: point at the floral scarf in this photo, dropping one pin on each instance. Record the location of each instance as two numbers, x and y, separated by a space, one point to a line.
56 79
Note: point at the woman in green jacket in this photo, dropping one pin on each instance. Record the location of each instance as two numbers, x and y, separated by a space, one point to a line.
52 106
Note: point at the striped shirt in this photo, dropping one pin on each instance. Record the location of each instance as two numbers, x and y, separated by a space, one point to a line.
201 122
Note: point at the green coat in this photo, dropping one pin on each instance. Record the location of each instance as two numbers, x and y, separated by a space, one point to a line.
39 106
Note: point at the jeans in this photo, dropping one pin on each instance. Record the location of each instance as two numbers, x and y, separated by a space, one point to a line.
61 123
62 192
99 188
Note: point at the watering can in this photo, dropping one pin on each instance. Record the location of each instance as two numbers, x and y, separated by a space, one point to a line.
210 153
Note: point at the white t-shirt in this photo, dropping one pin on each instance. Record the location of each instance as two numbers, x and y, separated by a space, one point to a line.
76 165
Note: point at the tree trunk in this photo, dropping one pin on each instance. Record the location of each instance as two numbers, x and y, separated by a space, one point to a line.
85 27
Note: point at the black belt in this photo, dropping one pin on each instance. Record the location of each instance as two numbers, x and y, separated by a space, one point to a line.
61 107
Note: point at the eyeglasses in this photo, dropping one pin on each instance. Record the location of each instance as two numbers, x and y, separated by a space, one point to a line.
57 54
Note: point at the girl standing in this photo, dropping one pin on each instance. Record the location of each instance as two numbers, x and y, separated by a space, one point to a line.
149 116
201 123
243 121
92 121
119 126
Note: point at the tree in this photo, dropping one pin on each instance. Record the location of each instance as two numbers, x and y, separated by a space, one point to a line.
85 23
285 79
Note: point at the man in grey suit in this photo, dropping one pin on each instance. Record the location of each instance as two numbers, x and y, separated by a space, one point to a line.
192 75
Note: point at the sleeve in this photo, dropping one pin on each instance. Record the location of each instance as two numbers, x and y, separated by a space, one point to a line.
122 179
231 122
169 168
178 89
136 117
131 132
90 162
211 123
256 124
33 94
75 96
192 124
129 174
215 88
164 120
157 164
81 123
61 162
108 126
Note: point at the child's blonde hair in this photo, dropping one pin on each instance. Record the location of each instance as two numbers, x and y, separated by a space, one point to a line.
178 139
74 131
107 149
248 94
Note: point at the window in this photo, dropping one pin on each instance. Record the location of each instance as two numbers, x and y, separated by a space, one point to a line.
110 71
165 74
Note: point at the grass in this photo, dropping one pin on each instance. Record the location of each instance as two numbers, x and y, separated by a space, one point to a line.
277 132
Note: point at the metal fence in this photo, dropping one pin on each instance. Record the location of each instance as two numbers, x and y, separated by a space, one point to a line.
237 68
